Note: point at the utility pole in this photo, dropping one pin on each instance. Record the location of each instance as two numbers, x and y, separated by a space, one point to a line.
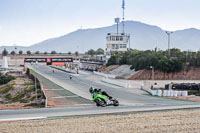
15 57
168 33
152 72
123 8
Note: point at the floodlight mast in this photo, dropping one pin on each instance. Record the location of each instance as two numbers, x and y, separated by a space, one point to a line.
168 34
123 18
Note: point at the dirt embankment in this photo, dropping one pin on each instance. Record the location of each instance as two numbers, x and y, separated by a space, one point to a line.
18 93
108 69
121 71
193 73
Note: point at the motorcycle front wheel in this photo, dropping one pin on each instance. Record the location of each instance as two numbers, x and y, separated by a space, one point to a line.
115 103
101 103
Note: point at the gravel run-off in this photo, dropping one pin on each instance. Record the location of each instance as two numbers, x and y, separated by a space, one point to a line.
183 121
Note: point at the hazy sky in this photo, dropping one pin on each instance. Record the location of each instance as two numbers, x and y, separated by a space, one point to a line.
25 22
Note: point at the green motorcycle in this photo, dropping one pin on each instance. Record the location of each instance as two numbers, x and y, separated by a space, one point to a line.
103 101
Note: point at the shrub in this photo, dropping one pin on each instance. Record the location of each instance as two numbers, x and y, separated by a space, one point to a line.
6 89
4 79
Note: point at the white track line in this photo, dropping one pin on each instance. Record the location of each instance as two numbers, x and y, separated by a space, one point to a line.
25 118
53 89
66 96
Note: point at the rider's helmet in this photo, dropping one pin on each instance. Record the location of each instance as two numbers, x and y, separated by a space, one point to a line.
91 90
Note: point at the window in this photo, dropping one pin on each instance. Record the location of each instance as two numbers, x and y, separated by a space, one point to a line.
108 38
124 45
113 38
121 45
121 38
113 46
117 46
117 38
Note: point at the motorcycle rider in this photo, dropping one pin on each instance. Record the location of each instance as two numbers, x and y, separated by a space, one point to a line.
93 90
70 76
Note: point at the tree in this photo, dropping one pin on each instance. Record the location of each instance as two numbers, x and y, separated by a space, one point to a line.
12 52
5 52
114 60
76 53
4 79
69 53
20 52
159 59
45 52
99 51
37 52
28 52
53 52
91 52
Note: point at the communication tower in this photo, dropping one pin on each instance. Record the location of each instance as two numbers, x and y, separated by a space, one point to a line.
118 42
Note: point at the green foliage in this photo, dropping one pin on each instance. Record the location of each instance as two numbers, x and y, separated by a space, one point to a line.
99 51
91 52
19 97
8 96
20 52
156 58
28 52
37 52
23 101
69 53
114 60
76 53
28 83
53 52
5 52
45 52
32 98
4 79
12 52
6 89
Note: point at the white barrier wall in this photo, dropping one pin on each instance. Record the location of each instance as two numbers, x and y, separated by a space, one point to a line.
115 82
175 93
154 92
165 93
105 75
179 93
169 93
184 93
159 93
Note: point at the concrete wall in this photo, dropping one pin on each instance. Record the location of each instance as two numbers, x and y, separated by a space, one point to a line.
105 75
115 82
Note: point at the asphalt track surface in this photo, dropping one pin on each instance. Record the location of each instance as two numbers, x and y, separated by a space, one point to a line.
79 85
125 98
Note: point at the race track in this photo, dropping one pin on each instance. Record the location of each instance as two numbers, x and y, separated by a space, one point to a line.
79 85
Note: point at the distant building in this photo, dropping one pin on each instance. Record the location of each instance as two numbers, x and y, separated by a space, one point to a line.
116 43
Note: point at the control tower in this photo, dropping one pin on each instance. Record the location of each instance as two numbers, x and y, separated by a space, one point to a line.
117 42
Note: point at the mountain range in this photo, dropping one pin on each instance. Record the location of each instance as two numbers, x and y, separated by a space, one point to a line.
143 37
